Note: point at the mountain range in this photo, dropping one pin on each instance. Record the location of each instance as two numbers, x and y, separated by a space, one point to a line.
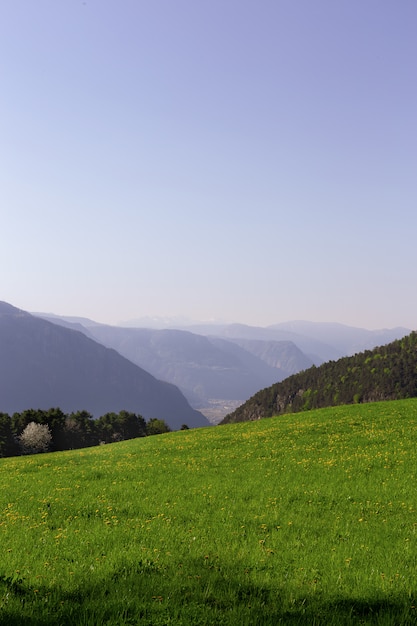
220 366
214 373
186 375
45 365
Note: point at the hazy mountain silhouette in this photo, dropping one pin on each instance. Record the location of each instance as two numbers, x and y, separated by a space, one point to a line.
216 363
347 340
43 365
317 351
204 368
319 341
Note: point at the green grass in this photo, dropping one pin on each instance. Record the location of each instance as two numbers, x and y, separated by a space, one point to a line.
303 519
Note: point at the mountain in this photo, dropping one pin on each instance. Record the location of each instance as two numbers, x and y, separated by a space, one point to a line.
219 366
43 365
282 355
317 351
214 374
347 340
204 368
320 342
385 373
158 323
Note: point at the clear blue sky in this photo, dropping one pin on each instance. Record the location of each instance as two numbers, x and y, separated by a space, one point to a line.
253 161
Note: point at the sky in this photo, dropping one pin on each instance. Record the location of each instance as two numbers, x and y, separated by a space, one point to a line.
249 161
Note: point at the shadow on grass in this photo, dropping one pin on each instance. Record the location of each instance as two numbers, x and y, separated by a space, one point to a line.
150 596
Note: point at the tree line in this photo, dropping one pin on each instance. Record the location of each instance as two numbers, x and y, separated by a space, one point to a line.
37 430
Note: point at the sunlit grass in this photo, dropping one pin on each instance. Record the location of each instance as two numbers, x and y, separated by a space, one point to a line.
303 519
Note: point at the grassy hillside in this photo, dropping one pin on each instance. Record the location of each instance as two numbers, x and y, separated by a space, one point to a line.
385 373
306 519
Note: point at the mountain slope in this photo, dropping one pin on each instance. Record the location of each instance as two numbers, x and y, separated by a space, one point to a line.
386 373
319 341
43 365
282 355
317 351
203 368
215 374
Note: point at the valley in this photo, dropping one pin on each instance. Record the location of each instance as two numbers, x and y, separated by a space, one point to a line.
219 367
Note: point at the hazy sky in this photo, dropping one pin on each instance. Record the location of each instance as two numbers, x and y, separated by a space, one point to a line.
249 160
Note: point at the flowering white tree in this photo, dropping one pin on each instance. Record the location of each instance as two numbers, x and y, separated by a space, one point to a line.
35 438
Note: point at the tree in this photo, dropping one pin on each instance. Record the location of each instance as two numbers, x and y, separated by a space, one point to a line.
55 419
8 445
35 438
157 427
80 431
21 420
106 430
131 425
120 426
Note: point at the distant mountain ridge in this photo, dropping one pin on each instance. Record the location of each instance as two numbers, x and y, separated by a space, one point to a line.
387 372
204 368
347 340
219 366
320 342
45 365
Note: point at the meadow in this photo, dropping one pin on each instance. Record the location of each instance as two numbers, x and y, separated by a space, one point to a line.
302 519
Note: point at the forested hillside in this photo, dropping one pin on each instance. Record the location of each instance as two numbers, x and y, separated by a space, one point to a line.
385 373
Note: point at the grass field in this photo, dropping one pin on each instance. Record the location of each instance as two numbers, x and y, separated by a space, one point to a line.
303 519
